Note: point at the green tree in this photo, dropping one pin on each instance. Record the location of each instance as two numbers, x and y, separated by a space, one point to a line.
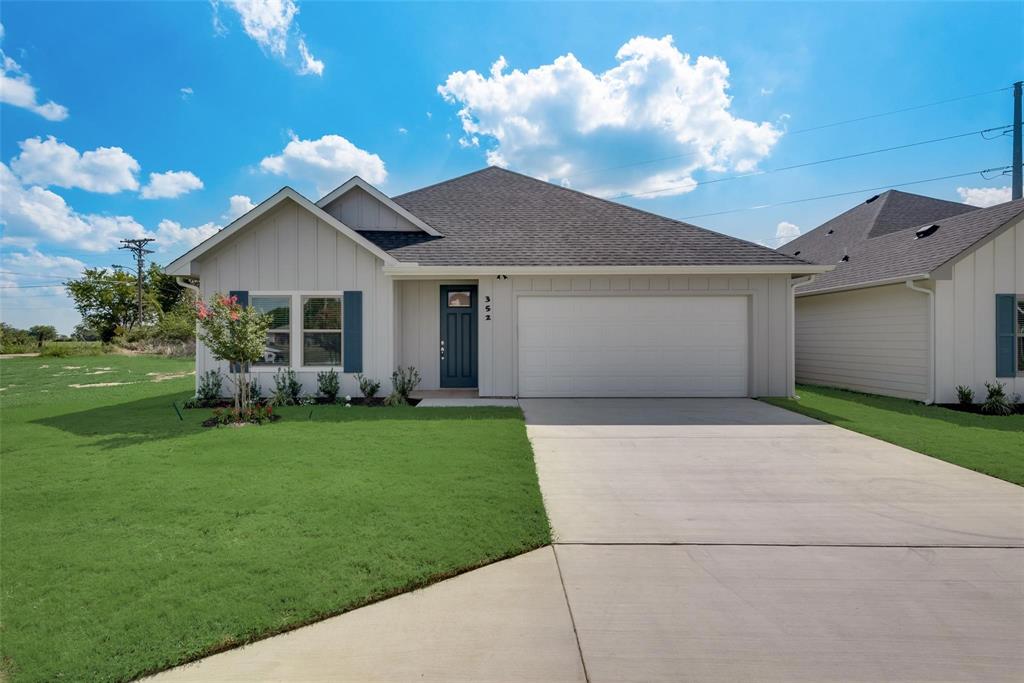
235 334
106 300
12 336
83 332
42 333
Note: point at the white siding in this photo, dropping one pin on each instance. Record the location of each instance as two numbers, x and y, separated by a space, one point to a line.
290 250
874 340
965 314
359 210
419 313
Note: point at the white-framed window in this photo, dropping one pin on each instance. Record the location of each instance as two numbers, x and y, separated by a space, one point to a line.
1018 328
322 337
277 351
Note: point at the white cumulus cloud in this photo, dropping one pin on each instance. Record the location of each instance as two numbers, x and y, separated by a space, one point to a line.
984 196
170 184
186 93
238 205
784 232
563 122
49 162
32 213
326 162
272 24
171 236
16 89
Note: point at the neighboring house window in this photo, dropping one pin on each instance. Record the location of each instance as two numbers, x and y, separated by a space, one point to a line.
321 330
277 349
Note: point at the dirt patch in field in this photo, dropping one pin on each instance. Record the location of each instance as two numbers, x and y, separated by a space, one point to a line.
99 384
164 376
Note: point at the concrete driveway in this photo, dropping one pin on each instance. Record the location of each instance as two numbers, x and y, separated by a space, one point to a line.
705 540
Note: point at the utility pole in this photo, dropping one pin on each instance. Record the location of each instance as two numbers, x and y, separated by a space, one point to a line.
138 247
1017 191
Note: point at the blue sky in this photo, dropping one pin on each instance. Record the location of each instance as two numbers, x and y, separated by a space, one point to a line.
224 100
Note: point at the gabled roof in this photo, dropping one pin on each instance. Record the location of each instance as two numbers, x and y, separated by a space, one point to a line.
879 215
183 264
495 217
356 181
901 253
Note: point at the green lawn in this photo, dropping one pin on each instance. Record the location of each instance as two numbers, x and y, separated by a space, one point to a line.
986 443
133 541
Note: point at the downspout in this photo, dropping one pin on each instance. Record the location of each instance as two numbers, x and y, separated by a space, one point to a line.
931 338
793 284
188 285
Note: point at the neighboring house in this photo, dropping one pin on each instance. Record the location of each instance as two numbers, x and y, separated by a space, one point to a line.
509 285
926 295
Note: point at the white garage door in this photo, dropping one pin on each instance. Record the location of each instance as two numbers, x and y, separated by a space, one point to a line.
632 346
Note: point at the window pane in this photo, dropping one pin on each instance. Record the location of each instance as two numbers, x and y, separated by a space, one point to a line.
321 313
279 307
276 350
321 348
459 299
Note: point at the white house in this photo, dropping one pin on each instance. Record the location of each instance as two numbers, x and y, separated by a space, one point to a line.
505 284
926 295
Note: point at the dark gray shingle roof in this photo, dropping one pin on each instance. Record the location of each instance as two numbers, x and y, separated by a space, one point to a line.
495 217
880 215
898 254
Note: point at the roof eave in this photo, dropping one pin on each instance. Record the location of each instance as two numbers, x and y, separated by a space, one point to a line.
864 285
415 270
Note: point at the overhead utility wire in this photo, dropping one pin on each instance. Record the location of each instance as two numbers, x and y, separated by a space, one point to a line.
813 163
801 130
843 194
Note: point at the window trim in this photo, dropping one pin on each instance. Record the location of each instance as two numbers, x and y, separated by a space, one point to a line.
260 367
1018 334
295 330
303 296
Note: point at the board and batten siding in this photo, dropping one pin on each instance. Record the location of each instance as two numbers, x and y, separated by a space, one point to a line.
291 250
965 314
359 210
417 311
874 340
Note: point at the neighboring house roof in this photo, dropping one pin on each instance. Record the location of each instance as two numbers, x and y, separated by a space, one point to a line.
879 215
495 217
901 253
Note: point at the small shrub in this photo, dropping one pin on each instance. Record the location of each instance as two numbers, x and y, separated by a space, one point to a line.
405 380
996 402
965 395
286 388
208 392
327 384
367 387
395 399
255 414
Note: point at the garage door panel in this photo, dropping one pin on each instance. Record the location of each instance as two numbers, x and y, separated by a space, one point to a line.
632 346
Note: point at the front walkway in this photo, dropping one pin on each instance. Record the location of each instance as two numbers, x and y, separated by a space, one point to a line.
706 540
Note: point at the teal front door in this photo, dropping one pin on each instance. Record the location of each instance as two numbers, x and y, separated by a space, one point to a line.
458 336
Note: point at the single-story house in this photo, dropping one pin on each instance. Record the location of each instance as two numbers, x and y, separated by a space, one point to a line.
509 285
926 295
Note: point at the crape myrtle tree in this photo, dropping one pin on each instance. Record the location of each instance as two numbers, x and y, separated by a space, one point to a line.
236 334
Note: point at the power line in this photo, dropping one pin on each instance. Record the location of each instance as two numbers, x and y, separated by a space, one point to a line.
815 163
843 194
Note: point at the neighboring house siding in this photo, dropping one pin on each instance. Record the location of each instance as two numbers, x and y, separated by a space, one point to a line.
360 211
417 327
965 314
874 340
290 250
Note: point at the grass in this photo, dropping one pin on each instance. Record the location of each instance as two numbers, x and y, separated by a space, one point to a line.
60 349
134 541
990 444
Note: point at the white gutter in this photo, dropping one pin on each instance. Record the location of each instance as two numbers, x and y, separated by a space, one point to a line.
931 333
413 270
188 285
793 284
869 283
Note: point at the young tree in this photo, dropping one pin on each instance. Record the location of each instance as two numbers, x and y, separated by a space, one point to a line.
235 334
106 300
43 333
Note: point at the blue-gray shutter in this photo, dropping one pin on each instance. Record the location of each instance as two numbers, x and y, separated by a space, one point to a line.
353 332
1005 309
243 301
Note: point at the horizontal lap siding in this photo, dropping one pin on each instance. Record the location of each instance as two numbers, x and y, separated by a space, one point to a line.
873 340
290 249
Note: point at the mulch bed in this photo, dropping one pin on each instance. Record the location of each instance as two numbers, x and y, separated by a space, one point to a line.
214 422
976 408
375 402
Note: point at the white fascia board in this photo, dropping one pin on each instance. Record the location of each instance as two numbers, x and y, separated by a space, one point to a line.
864 285
356 181
183 264
413 271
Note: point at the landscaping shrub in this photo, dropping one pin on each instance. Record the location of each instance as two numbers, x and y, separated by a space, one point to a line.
208 392
286 388
255 414
327 384
964 395
996 402
367 387
403 381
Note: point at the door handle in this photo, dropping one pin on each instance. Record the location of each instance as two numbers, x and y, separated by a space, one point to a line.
442 349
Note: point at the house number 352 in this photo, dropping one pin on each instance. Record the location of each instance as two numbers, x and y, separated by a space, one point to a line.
487 307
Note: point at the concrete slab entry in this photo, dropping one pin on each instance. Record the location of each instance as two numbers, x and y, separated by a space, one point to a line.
676 471
432 402
684 613
507 621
